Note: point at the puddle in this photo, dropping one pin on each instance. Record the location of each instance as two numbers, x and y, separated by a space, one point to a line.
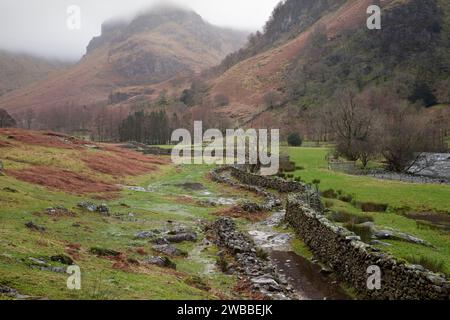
266 237
271 240
223 201
305 277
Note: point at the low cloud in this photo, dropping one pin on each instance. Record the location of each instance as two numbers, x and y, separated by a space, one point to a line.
40 28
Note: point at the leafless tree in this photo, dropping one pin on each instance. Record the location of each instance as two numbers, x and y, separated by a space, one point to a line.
6 120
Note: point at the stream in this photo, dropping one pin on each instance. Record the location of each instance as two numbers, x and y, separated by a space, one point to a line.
305 277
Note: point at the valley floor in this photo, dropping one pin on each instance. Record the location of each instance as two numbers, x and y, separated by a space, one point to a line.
40 227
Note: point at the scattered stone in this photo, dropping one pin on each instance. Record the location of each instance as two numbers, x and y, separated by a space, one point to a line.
32 226
13 293
38 262
104 252
162 262
181 237
145 235
8 189
88 206
103 209
92 207
61 258
266 282
399 236
169 250
59 211
251 207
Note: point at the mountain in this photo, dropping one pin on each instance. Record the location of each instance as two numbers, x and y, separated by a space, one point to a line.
152 48
20 70
310 50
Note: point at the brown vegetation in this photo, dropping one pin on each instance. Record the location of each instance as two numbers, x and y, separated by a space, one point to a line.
62 180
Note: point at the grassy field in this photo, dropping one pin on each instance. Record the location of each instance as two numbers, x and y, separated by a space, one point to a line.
401 198
105 278
167 200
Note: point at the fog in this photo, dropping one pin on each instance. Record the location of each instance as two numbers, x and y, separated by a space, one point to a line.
39 27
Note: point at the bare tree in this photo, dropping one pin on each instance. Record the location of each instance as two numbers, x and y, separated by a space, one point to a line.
272 99
6 120
406 136
352 123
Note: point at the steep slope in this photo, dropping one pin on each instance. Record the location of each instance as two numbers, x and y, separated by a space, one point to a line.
336 49
248 81
20 70
152 48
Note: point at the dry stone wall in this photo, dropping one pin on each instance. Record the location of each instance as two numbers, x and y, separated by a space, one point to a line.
342 250
350 259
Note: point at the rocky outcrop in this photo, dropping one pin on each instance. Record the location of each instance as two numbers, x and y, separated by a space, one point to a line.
350 259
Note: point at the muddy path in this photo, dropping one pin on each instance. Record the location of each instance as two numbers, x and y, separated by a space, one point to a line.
308 279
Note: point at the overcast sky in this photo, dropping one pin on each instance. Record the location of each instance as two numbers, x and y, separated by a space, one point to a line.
40 26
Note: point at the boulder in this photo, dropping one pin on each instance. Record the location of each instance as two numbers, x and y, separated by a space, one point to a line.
162 262
103 209
104 252
145 235
178 238
169 250
61 258
32 226
88 206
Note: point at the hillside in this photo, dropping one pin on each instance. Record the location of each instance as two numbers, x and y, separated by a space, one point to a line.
334 49
66 201
20 70
152 48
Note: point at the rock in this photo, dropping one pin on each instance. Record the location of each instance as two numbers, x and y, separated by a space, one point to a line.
58 211
266 281
177 238
12 293
169 250
11 190
103 209
145 235
251 207
38 262
61 258
32 226
163 262
104 252
89 206
400 236
55 269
